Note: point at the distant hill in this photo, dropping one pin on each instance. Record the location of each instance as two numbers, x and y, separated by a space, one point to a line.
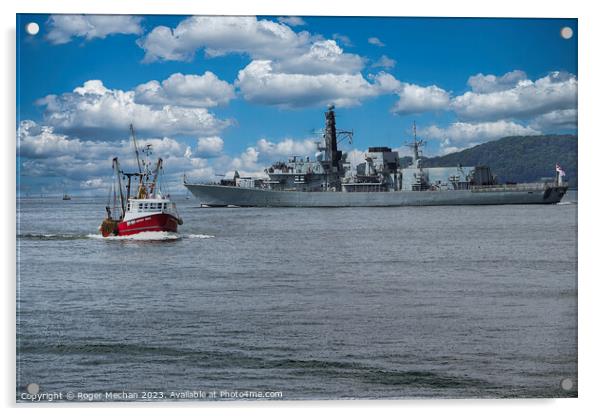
518 158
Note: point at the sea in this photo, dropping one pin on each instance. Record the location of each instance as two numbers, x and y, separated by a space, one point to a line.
294 303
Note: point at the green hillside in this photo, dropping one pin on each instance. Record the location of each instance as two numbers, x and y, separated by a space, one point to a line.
519 158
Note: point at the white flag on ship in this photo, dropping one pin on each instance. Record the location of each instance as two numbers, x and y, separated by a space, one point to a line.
559 170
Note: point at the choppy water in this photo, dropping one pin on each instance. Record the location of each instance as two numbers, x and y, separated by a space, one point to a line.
314 303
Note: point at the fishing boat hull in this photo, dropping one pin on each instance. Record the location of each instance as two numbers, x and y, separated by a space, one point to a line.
152 223
157 222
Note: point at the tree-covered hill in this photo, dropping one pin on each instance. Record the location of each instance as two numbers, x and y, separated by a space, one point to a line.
519 158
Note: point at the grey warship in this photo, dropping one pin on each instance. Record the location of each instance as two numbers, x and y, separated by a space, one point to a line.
380 181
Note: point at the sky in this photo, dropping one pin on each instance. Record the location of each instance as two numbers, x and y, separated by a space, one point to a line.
219 94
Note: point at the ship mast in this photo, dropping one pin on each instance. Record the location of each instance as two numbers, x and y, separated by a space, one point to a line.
331 138
415 146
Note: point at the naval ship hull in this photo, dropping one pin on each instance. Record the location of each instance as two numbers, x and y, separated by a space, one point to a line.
220 196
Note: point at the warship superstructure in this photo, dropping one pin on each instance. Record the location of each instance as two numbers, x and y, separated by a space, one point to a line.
329 180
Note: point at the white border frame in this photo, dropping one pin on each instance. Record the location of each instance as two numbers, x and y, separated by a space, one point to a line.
589 71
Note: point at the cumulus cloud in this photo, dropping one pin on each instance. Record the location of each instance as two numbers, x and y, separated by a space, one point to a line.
220 35
210 146
490 83
292 21
376 42
384 62
556 121
289 51
556 91
260 83
322 57
205 90
247 160
286 147
92 110
287 69
35 141
478 132
343 39
87 164
416 99
62 28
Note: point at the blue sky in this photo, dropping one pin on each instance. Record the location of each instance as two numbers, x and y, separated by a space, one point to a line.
218 94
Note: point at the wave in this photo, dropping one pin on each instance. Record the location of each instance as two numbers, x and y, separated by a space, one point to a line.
567 203
336 369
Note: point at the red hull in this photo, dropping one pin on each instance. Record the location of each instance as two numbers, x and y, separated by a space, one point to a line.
156 222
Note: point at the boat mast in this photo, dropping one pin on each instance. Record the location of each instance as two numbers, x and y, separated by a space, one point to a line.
118 174
135 148
153 184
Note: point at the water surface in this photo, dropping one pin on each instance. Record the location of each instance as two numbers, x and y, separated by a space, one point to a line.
316 303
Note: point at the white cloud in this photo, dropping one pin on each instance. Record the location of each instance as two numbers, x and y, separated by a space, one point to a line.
92 110
62 28
289 51
87 164
384 62
375 41
36 141
95 183
490 83
416 99
556 91
343 39
322 57
286 147
292 21
205 90
210 146
247 160
260 83
386 83
478 132
557 120
220 35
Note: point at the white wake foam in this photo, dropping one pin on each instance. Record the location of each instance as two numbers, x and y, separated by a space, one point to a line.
150 236
143 236
199 236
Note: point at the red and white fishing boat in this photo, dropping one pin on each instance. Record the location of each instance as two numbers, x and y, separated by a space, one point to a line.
147 210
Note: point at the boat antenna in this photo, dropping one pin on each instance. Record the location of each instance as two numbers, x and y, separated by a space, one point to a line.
135 147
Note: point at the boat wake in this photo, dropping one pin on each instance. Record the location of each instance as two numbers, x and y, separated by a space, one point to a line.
144 236
199 236
567 203
50 236
152 236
